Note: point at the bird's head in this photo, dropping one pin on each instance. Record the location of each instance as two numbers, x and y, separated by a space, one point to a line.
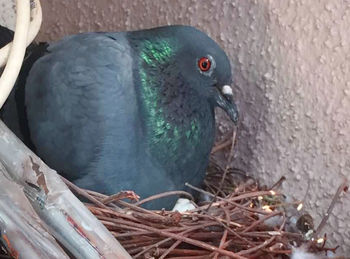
184 54
207 67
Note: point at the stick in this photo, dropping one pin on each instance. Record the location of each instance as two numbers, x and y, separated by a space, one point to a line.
69 221
228 164
162 195
342 188
24 234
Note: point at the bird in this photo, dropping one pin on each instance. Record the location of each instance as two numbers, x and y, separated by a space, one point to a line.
131 110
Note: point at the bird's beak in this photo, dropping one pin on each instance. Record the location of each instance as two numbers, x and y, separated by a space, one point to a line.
224 99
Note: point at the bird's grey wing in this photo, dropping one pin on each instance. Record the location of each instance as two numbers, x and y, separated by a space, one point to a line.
77 97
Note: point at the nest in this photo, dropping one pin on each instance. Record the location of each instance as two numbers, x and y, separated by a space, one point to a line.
238 219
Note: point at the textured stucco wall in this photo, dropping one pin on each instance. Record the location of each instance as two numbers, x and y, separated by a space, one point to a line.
7 16
292 81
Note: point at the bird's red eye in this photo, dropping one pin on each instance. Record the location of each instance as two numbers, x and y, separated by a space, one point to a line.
204 64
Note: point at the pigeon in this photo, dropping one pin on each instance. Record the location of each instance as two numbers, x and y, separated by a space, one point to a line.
134 110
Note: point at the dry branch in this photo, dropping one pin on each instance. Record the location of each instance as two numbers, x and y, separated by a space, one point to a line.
68 220
21 230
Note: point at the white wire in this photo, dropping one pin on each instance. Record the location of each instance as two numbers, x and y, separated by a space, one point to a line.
14 63
34 26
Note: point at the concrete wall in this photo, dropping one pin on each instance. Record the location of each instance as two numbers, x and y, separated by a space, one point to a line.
292 81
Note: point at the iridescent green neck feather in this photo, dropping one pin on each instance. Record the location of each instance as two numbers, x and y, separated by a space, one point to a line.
176 118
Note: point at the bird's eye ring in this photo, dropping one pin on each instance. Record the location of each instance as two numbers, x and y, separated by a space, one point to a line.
204 64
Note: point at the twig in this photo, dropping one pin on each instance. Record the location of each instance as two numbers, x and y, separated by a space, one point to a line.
342 188
224 235
256 223
121 195
221 146
83 193
229 160
228 164
170 249
162 195
278 183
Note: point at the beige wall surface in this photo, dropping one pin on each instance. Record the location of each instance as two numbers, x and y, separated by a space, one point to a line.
291 62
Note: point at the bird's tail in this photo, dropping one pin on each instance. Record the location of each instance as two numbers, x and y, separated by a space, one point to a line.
13 113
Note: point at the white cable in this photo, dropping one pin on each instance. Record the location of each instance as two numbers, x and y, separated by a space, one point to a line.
34 26
14 63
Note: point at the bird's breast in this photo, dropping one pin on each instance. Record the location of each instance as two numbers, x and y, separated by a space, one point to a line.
182 149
